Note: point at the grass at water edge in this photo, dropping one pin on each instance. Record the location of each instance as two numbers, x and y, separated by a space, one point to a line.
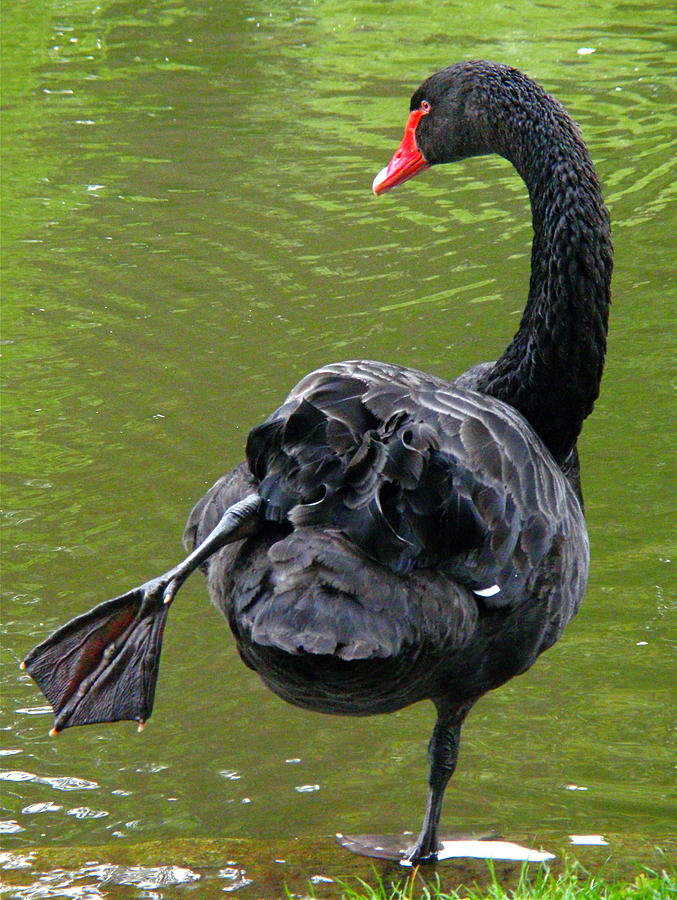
572 884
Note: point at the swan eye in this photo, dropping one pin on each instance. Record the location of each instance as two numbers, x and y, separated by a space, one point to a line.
425 107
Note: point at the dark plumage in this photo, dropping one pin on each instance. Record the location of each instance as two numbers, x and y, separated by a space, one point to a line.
393 537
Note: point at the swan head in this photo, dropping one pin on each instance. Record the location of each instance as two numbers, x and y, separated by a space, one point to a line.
449 119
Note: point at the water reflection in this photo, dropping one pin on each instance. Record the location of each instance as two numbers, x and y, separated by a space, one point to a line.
93 880
65 783
588 840
256 869
492 850
41 808
236 878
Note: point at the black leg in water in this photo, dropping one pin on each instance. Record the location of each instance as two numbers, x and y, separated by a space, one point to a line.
103 665
442 757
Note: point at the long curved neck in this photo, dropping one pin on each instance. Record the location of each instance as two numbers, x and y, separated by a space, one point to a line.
552 368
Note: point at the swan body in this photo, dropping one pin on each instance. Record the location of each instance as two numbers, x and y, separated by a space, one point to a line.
391 536
417 532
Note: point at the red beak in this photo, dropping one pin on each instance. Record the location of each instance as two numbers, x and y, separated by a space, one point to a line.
407 161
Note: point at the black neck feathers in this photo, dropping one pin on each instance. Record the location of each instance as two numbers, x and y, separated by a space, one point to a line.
552 368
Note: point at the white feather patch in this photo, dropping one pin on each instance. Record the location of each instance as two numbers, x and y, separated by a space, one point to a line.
488 592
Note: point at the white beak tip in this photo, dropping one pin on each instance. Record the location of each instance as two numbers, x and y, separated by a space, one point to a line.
378 181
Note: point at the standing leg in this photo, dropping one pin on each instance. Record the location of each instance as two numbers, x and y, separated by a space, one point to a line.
442 756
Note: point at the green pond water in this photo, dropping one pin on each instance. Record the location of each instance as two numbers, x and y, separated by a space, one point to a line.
188 228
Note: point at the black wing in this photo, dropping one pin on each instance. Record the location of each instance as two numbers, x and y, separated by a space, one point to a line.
391 497
417 473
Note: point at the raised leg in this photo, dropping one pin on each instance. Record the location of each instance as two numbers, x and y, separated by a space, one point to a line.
103 666
442 756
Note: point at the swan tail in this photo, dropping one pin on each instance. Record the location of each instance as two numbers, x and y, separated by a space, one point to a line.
314 592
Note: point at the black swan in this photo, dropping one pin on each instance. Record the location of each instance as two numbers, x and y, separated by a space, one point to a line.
392 536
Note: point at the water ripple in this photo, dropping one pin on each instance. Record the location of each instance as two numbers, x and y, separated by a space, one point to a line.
91 881
84 812
235 877
66 783
158 239
41 808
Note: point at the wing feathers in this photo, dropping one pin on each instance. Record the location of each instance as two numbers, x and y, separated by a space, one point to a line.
392 496
324 597
417 473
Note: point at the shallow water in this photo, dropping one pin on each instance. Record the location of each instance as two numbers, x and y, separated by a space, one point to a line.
255 869
187 229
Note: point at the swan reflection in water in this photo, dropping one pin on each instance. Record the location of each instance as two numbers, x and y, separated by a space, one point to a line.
393 536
